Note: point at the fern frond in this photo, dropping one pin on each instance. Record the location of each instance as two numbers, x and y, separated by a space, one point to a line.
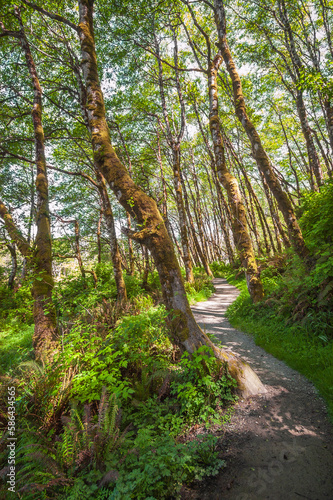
103 407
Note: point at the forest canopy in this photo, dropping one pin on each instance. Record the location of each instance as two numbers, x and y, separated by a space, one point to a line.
146 147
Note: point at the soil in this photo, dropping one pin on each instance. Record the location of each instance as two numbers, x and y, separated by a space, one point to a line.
278 445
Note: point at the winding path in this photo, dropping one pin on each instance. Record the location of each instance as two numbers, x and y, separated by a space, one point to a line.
278 446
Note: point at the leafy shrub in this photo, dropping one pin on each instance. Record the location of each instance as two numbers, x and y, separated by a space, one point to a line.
16 306
201 289
202 386
317 219
220 269
15 345
65 450
138 346
159 466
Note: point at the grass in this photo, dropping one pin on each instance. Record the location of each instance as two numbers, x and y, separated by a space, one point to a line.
201 289
292 343
15 345
199 296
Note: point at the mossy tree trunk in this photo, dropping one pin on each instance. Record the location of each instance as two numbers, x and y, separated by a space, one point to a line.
45 333
13 269
258 150
240 228
314 162
329 120
106 209
114 247
98 234
181 213
151 228
220 198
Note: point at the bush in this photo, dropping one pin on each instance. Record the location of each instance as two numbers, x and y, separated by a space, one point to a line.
125 361
202 386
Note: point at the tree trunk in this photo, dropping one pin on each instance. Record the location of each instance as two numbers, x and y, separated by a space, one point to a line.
310 145
301 110
145 274
152 231
197 246
174 141
13 269
258 150
130 247
98 234
78 250
240 230
181 215
220 197
45 333
115 252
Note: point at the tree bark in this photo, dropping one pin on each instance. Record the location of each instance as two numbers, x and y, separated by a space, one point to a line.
297 64
181 214
220 197
174 142
11 278
98 234
114 247
197 246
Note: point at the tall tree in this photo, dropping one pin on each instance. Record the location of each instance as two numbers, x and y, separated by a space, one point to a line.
45 333
258 150
239 223
152 231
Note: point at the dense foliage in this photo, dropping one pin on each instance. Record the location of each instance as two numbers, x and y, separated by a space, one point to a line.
145 148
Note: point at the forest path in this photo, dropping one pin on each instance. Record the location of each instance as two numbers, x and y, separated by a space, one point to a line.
278 446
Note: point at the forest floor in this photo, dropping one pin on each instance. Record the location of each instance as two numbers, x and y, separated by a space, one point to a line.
277 446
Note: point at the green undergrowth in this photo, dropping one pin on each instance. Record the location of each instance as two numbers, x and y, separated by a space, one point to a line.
201 289
16 327
109 418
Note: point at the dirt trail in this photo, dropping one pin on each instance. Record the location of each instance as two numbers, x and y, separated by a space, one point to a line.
278 446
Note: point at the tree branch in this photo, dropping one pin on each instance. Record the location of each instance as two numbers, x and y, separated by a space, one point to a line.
56 17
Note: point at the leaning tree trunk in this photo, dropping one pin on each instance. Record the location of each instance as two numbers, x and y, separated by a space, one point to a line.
301 109
258 150
220 197
45 333
310 145
240 230
329 120
152 231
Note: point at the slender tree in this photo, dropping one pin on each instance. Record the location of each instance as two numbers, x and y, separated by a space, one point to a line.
258 150
45 333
